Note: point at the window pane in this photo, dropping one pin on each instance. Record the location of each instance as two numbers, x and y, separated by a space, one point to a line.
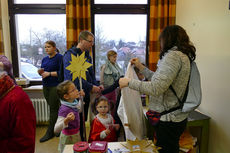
39 1
126 34
32 32
120 1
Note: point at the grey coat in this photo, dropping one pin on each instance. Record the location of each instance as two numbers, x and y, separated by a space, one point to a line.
173 68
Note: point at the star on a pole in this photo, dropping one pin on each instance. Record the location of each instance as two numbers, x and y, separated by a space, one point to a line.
78 66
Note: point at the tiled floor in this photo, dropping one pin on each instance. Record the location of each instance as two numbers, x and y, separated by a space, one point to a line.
48 146
51 146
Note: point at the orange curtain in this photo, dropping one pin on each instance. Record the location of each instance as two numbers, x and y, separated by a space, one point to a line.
77 19
1 33
162 14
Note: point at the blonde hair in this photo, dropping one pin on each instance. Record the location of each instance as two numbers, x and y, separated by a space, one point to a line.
111 53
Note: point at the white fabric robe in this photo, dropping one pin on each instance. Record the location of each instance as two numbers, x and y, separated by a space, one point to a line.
130 110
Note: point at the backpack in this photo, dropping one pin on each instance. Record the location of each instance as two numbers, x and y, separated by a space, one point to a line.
193 95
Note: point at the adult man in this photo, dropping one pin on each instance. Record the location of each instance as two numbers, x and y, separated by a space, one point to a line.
85 43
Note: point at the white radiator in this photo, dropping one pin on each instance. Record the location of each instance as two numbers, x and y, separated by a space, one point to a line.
42 109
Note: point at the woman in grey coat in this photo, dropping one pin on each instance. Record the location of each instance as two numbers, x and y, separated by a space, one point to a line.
173 69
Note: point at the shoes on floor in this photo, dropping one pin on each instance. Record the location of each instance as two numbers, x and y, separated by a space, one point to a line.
46 137
57 134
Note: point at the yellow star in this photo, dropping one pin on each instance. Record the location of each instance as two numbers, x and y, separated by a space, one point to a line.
78 66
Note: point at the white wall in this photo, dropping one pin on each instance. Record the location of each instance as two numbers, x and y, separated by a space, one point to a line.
208 24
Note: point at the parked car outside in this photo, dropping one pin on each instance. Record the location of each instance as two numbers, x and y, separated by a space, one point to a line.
25 60
30 72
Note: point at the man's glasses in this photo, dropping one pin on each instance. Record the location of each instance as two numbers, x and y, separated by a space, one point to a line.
90 41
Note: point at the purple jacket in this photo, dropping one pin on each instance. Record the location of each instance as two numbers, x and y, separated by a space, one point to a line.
64 110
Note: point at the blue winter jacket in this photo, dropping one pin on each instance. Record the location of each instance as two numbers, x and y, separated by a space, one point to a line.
87 84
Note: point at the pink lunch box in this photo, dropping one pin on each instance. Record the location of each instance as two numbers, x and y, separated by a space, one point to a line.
98 147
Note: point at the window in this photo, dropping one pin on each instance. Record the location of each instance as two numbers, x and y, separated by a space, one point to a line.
120 1
121 27
39 1
32 24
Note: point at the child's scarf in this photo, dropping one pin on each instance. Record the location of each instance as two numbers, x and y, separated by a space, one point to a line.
72 105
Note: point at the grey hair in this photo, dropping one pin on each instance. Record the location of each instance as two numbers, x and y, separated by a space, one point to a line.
2 73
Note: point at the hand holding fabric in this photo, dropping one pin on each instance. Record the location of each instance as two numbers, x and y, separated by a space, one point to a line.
123 82
137 63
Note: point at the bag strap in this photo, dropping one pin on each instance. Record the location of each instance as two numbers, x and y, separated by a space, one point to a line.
180 102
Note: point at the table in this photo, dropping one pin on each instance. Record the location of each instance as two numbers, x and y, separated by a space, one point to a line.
111 146
197 119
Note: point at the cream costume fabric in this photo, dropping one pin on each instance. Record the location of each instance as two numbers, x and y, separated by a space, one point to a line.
130 110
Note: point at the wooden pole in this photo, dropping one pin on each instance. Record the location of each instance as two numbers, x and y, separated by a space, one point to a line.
82 111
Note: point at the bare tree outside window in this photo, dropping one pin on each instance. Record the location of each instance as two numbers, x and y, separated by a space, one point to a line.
33 31
125 34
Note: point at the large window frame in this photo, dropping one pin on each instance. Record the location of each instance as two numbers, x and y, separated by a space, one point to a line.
15 9
121 9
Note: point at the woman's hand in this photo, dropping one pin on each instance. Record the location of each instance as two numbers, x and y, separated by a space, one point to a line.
137 63
45 74
123 82
40 71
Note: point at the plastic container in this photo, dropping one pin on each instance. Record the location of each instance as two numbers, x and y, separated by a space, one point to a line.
98 147
81 147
